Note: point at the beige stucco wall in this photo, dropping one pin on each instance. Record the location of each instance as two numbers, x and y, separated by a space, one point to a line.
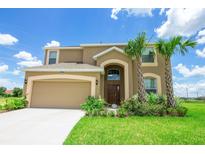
89 52
70 55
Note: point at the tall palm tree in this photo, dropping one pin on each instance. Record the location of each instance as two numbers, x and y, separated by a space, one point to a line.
167 48
134 49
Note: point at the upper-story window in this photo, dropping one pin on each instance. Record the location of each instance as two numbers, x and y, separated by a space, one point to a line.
150 85
113 74
148 55
52 57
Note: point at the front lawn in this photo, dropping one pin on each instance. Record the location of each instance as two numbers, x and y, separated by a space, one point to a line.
142 130
2 100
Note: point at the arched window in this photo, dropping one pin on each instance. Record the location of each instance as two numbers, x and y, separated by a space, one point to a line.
113 74
150 85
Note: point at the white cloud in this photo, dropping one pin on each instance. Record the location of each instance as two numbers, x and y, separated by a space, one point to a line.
200 53
16 72
194 71
4 82
114 13
24 55
132 12
7 39
3 68
193 89
201 33
201 40
185 22
30 63
162 10
27 59
53 44
201 37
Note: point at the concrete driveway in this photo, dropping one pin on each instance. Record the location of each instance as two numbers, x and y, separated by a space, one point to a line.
37 126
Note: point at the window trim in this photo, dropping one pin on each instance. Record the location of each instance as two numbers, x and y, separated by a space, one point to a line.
48 54
155 63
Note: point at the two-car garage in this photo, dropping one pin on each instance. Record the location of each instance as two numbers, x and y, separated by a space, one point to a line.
64 85
59 94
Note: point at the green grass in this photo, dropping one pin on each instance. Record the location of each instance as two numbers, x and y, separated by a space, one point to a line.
142 130
2 100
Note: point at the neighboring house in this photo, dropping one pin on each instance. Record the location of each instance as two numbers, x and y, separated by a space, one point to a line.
9 92
70 74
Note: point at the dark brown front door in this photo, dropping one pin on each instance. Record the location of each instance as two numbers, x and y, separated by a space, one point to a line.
113 94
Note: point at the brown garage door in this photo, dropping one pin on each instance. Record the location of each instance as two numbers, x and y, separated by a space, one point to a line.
59 94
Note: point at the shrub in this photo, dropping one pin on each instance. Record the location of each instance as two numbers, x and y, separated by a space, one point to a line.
93 105
122 112
182 111
131 104
111 113
152 98
177 111
14 103
156 99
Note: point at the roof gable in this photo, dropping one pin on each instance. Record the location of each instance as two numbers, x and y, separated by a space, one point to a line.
107 51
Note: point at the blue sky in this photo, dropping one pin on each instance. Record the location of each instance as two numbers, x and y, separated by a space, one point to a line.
24 32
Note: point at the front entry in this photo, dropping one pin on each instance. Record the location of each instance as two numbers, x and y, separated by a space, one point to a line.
113 94
114 84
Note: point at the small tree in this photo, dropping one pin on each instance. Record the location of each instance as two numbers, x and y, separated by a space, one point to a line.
2 91
17 92
167 48
134 49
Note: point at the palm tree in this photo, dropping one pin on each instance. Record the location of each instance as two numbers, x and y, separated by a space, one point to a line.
134 49
167 48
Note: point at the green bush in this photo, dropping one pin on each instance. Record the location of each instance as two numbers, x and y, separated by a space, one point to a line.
122 112
155 106
111 113
152 98
92 106
177 111
14 103
156 99
131 105
182 111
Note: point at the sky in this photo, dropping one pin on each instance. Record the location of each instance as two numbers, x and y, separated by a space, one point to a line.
24 33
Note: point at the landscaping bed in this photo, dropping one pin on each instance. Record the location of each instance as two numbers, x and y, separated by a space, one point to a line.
12 103
142 129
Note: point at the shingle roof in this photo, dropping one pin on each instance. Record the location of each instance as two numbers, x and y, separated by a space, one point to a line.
65 67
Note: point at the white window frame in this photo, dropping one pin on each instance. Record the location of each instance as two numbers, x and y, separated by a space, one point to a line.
48 54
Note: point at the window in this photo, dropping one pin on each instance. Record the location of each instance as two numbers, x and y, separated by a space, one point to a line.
150 85
113 74
52 57
148 55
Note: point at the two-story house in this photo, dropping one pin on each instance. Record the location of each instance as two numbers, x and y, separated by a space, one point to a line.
70 74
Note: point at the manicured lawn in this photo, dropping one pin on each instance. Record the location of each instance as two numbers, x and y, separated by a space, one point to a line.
142 130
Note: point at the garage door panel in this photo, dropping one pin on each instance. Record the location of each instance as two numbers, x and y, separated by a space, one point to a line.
51 94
